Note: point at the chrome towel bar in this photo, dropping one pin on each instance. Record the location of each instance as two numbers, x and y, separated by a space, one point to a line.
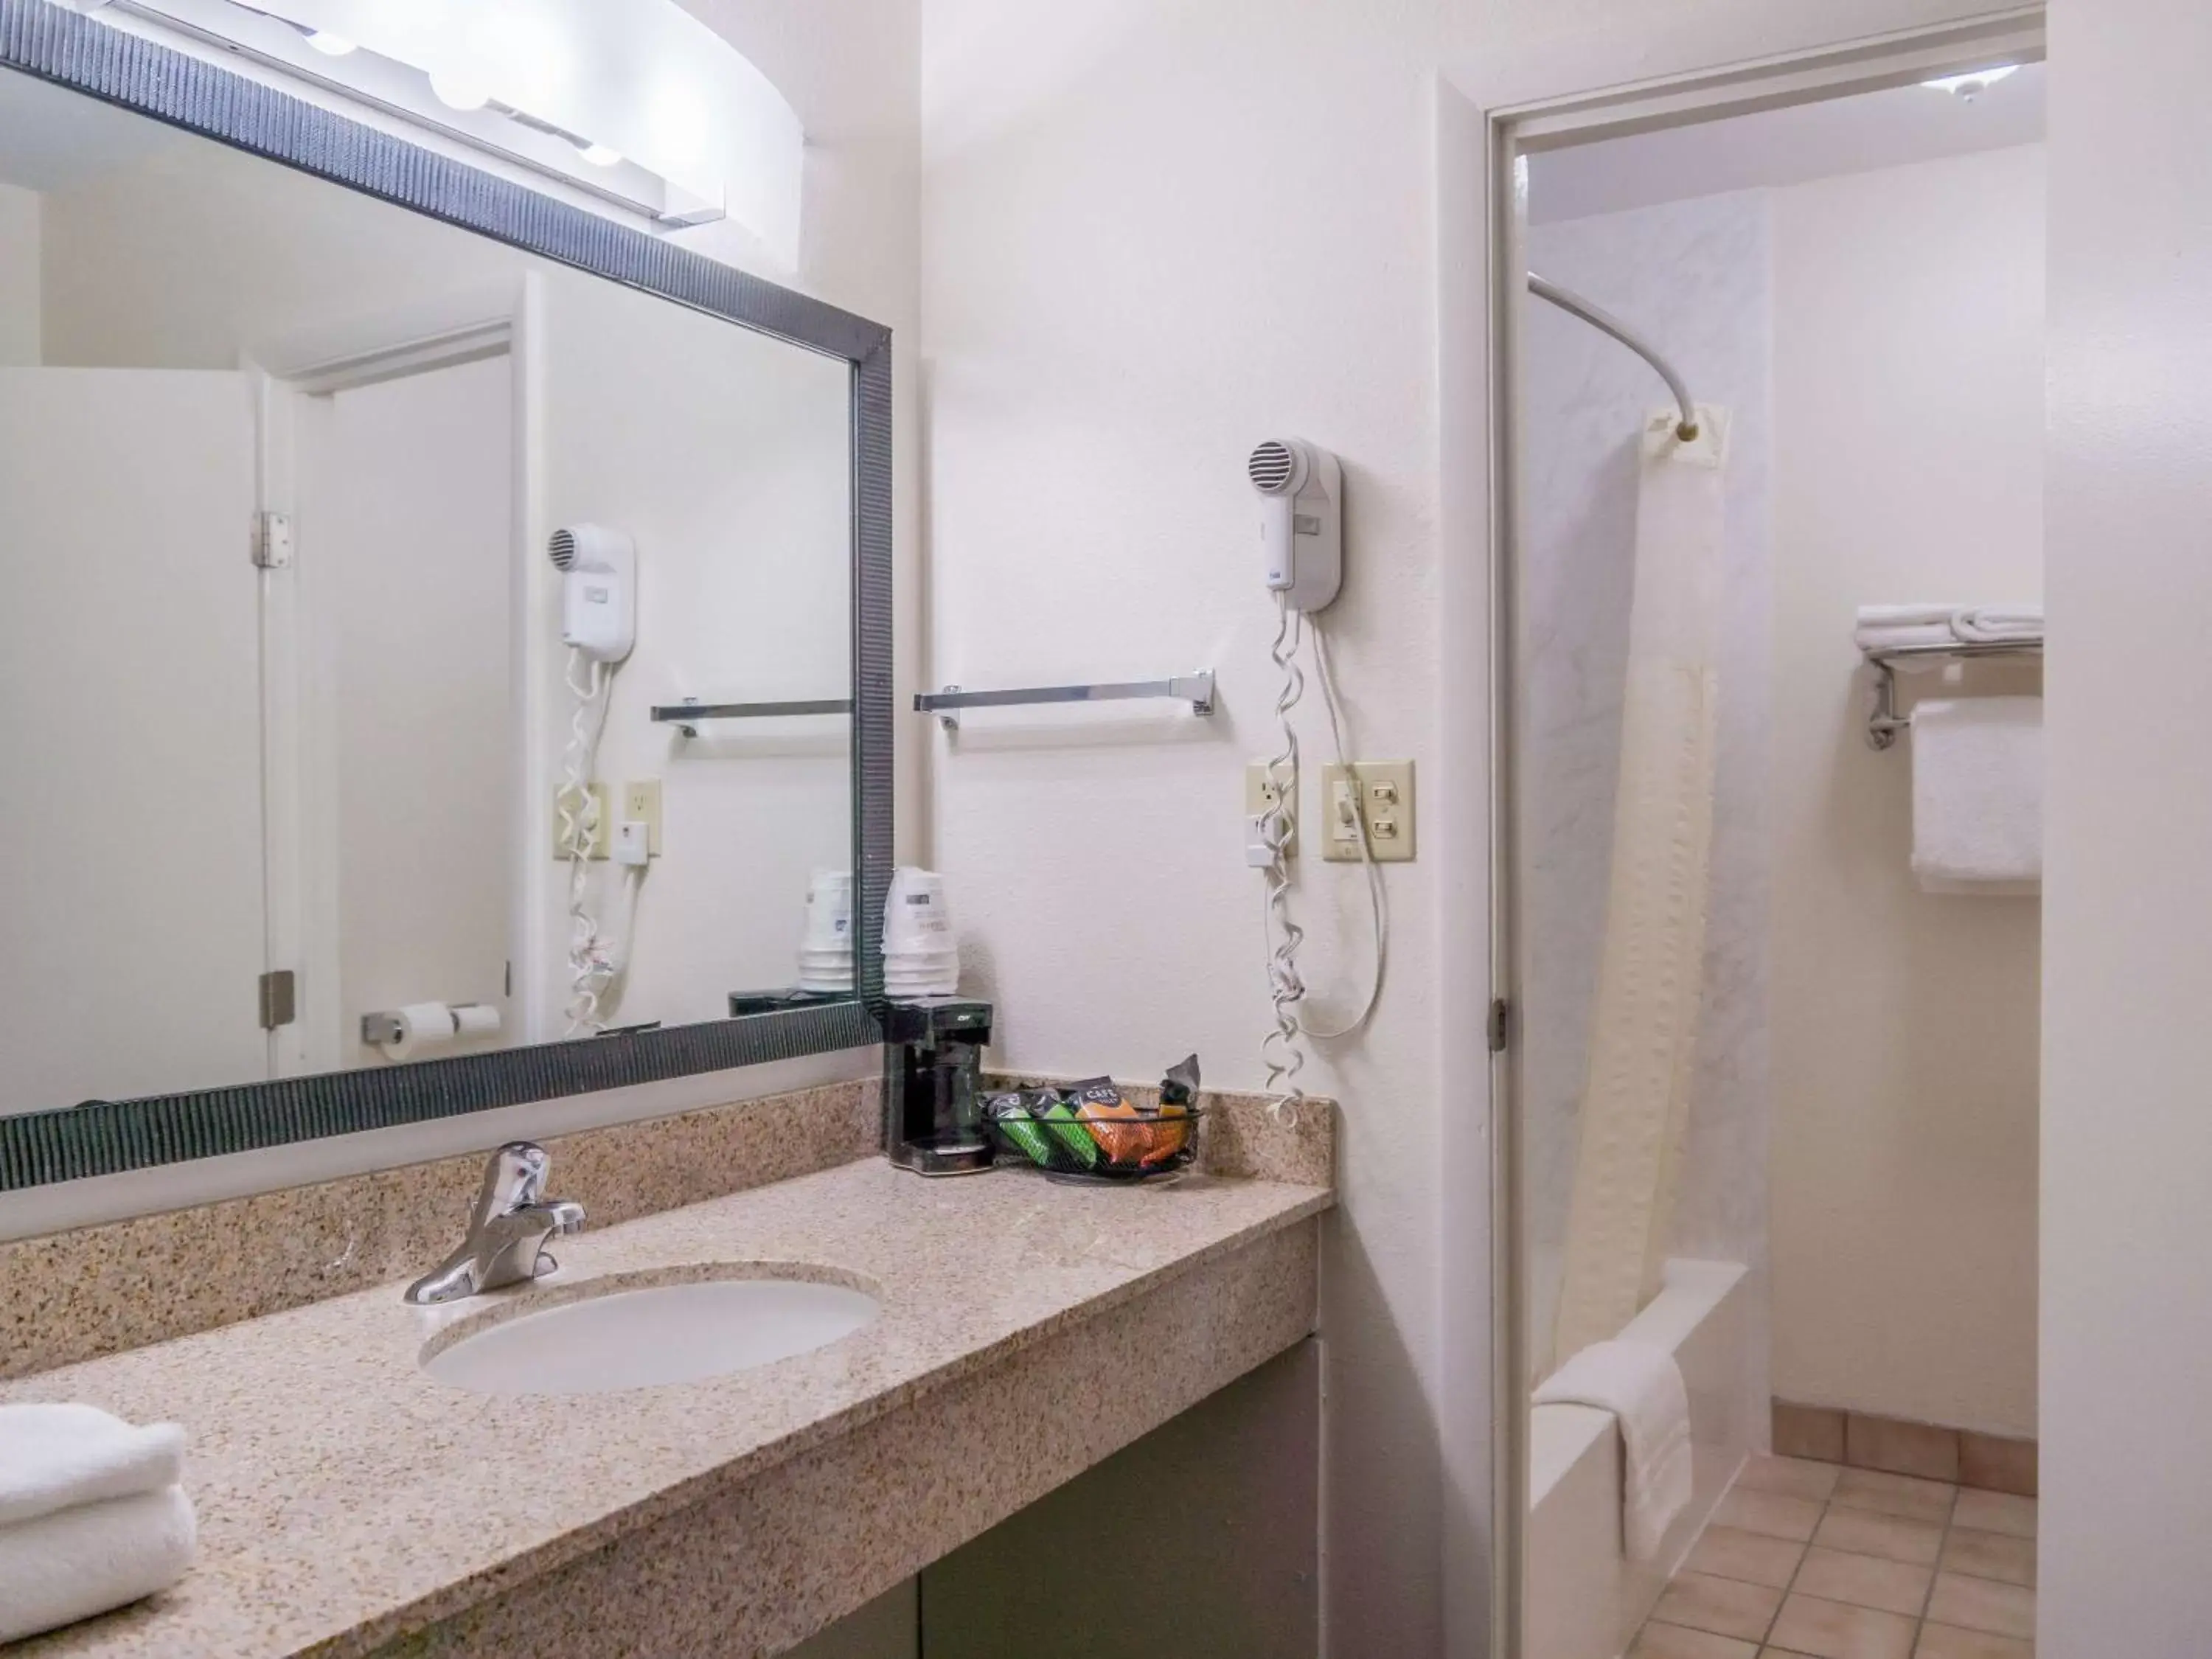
1196 690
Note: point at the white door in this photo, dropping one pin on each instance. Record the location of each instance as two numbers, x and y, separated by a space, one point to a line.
131 868
407 520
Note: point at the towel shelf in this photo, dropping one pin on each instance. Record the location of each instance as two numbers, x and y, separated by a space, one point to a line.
1196 690
1883 721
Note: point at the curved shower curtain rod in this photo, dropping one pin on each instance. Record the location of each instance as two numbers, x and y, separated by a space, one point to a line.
1573 303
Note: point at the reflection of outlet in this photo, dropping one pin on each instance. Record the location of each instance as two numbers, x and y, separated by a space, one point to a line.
1386 799
1261 795
640 804
603 830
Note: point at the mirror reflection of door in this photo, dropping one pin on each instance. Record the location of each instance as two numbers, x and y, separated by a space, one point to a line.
405 549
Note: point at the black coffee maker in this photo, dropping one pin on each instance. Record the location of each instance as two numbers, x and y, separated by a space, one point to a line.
933 1086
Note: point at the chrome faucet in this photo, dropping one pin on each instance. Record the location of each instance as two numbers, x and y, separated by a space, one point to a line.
507 1229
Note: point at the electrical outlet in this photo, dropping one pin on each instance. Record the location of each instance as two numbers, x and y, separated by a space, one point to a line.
640 804
603 829
1385 796
1261 795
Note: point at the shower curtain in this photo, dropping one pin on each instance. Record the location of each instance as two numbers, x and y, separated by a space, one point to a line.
1650 986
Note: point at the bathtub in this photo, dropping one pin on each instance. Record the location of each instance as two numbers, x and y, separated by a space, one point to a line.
1584 1600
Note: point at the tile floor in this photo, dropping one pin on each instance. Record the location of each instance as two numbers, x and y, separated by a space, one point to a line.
1808 1561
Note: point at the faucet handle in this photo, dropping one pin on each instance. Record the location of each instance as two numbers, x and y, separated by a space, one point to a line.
514 1178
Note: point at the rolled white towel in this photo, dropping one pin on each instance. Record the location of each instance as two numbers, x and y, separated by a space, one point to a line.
74 1563
57 1456
1998 624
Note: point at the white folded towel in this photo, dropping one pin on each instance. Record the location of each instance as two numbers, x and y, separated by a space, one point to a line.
1642 1386
72 1564
1977 795
1890 627
57 1456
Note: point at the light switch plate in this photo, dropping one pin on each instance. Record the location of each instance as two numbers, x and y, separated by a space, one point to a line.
603 835
1260 797
1386 796
640 804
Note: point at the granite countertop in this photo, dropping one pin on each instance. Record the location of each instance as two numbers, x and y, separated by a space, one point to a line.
345 1498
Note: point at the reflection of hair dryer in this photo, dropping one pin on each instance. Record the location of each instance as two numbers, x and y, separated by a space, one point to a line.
1301 519
599 590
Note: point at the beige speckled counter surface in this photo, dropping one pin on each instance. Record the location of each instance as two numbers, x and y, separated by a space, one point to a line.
346 1499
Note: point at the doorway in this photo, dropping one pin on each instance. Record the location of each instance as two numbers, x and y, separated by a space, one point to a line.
1807 1171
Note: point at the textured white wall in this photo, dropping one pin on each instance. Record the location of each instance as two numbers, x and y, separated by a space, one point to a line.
2127 1272
1909 409
1693 276
1155 234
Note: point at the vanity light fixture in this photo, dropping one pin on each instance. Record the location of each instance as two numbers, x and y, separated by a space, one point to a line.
1970 85
339 50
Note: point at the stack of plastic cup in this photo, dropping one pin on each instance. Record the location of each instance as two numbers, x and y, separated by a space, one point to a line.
825 956
921 955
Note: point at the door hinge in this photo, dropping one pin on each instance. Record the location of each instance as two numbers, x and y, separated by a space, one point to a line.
272 541
1501 1022
280 999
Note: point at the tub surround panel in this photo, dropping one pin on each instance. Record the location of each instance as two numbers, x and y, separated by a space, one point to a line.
95 1291
343 1497
935 1475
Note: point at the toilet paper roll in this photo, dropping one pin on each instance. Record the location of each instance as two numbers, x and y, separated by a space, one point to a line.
427 1025
475 1019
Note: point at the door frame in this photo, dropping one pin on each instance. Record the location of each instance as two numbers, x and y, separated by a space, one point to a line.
1508 132
439 331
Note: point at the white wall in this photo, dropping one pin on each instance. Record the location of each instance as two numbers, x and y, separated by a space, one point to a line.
1155 234
18 277
1694 276
1908 407
2127 1265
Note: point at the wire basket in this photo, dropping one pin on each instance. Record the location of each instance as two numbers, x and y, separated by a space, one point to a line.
1073 1140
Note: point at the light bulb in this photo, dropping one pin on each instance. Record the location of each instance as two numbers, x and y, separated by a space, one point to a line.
600 155
1967 87
332 46
459 90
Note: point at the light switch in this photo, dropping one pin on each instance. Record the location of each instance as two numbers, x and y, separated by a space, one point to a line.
1385 794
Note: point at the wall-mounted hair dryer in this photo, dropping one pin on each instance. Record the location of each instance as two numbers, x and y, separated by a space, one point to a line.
1301 519
598 589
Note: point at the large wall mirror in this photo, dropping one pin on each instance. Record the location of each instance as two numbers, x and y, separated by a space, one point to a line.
362 560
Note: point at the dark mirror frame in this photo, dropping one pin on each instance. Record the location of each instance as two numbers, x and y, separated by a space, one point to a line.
108 1137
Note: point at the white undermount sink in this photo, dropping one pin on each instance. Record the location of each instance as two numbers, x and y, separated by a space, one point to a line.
652 1335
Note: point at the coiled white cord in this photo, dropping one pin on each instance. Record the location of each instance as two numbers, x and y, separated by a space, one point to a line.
1281 1051
592 968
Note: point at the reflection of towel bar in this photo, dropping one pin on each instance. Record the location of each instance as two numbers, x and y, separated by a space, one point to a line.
681 715
1883 721
1196 690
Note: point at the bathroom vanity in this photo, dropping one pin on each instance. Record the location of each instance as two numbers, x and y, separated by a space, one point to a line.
352 1504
